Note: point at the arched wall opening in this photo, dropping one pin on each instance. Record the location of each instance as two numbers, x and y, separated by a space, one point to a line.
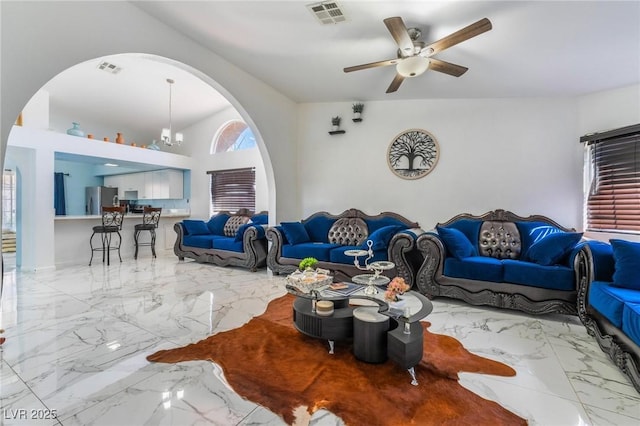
39 179
31 55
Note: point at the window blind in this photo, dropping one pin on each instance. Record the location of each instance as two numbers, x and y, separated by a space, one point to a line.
232 190
613 199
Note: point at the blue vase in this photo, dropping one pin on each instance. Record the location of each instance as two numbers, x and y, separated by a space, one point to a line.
154 146
75 130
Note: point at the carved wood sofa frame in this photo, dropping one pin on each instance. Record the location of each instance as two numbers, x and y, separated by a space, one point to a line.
431 281
400 250
624 353
254 245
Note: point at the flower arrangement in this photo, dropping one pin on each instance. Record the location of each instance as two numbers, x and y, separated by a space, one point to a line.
336 120
396 286
307 263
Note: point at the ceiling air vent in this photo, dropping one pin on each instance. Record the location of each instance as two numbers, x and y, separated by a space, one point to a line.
109 67
328 12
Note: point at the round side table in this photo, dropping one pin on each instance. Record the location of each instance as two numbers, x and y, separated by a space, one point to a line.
370 335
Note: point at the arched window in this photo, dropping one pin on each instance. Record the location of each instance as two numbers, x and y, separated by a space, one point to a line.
234 136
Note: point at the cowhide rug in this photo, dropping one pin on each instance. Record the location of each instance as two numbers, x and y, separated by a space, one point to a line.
270 363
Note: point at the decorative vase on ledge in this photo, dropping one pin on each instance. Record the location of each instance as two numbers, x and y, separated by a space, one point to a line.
119 138
75 130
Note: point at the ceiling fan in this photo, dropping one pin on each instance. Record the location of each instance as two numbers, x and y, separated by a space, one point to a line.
415 57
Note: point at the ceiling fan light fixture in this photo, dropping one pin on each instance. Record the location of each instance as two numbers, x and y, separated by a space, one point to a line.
412 66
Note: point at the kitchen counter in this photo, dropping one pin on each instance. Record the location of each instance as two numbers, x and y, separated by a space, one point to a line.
174 214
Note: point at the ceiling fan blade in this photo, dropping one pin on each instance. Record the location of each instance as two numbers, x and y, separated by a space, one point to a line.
372 65
446 67
459 36
400 34
395 84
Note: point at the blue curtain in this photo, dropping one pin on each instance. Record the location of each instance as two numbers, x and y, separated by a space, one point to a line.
59 201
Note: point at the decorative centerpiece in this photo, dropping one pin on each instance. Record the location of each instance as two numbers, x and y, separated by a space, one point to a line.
307 263
375 278
307 277
396 287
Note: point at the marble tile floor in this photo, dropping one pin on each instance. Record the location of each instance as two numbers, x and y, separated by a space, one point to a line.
77 338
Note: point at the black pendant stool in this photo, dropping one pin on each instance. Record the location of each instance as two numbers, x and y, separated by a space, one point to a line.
112 218
150 220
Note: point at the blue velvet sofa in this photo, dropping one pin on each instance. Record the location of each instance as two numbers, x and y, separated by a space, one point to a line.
609 302
236 239
326 237
500 259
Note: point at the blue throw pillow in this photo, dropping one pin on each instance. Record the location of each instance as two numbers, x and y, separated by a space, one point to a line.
318 228
217 222
532 232
627 258
457 244
240 231
295 232
195 227
260 219
553 247
381 237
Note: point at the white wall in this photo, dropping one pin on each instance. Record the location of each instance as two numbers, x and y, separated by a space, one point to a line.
609 109
200 137
34 211
35 113
60 121
521 155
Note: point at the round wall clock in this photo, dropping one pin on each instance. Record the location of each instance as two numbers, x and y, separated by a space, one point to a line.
413 154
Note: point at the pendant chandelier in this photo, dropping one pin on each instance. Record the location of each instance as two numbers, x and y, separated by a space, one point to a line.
166 135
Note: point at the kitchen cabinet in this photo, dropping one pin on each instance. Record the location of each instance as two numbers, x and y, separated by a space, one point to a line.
116 181
167 184
132 186
154 185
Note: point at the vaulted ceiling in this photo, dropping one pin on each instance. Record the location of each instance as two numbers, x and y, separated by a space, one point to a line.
535 49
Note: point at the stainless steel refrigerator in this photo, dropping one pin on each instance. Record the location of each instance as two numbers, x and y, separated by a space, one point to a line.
99 196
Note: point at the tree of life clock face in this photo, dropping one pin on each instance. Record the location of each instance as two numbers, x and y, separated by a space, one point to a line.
413 154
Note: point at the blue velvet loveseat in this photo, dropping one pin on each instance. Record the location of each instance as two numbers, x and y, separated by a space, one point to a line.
326 237
236 239
500 259
609 302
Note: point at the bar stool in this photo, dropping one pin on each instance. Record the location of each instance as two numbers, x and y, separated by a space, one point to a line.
150 219
112 218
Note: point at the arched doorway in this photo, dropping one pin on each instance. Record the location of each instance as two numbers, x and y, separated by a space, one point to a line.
128 112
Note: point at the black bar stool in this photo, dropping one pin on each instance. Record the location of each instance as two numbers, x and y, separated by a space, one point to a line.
112 218
150 219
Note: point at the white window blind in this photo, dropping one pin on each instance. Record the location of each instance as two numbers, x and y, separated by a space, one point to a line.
232 190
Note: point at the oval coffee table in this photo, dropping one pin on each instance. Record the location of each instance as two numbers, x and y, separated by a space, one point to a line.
404 339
